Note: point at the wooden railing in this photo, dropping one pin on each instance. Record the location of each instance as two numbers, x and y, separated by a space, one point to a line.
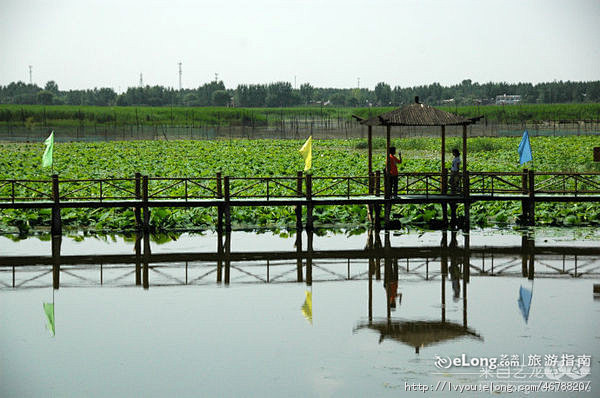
218 187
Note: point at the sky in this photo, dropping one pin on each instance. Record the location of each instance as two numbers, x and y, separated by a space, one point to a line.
84 44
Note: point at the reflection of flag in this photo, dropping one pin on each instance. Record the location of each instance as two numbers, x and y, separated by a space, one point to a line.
307 307
47 157
49 310
525 149
525 296
306 152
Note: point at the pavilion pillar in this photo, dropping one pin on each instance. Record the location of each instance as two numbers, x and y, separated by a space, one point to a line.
444 178
443 148
388 144
370 144
466 187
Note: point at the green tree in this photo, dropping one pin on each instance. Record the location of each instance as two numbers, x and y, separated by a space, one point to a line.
52 87
306 92
383 94
338 99
220 98
45 97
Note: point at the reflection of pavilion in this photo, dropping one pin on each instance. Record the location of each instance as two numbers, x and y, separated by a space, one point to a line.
300 264
419 334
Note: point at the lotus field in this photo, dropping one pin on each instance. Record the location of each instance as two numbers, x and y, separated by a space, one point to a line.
280 158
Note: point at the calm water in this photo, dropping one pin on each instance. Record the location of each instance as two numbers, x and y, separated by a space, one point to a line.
253 338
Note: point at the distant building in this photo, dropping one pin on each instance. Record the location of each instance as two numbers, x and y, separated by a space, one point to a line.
505 99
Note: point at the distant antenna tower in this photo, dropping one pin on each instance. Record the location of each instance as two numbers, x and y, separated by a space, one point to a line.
30 76
358 82
216 77
179 75
141 80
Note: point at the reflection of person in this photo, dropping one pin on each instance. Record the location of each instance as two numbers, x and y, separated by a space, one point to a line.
455 277
391 290
454 179
393 162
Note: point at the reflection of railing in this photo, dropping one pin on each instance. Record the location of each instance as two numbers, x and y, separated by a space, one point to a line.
422 263
196 188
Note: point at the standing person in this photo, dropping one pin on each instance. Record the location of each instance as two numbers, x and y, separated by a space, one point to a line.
393 162
454 179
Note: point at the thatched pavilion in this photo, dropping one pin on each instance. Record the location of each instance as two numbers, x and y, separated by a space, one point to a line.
419 114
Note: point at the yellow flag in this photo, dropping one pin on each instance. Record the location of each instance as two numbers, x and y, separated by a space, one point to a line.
306 152
307 307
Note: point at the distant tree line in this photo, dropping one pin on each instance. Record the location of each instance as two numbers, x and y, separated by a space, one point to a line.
283 94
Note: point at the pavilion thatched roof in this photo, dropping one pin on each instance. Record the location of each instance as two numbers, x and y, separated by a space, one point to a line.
417 114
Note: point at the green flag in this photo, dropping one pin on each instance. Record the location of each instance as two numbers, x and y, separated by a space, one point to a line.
47 157
49 310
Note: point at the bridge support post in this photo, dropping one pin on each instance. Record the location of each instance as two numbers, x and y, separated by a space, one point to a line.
220 250
138 259
56 242
56 227
146 259
309 255
227 255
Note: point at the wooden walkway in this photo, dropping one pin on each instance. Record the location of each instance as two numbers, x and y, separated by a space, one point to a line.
144 193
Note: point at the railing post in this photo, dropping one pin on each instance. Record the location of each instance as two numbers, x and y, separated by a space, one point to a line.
56 228
387 194
444 186
467 193
524 201
219 193
13 191
146 225
377 193
219 186
444 181
299 206
371 189
227 204
386 185
309 205
531 220
138 196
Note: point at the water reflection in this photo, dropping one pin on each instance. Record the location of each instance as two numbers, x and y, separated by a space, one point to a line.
419 334
383 251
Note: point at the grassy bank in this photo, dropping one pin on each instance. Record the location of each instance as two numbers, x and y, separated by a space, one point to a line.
65 115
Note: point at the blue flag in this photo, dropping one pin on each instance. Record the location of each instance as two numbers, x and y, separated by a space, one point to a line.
525 149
